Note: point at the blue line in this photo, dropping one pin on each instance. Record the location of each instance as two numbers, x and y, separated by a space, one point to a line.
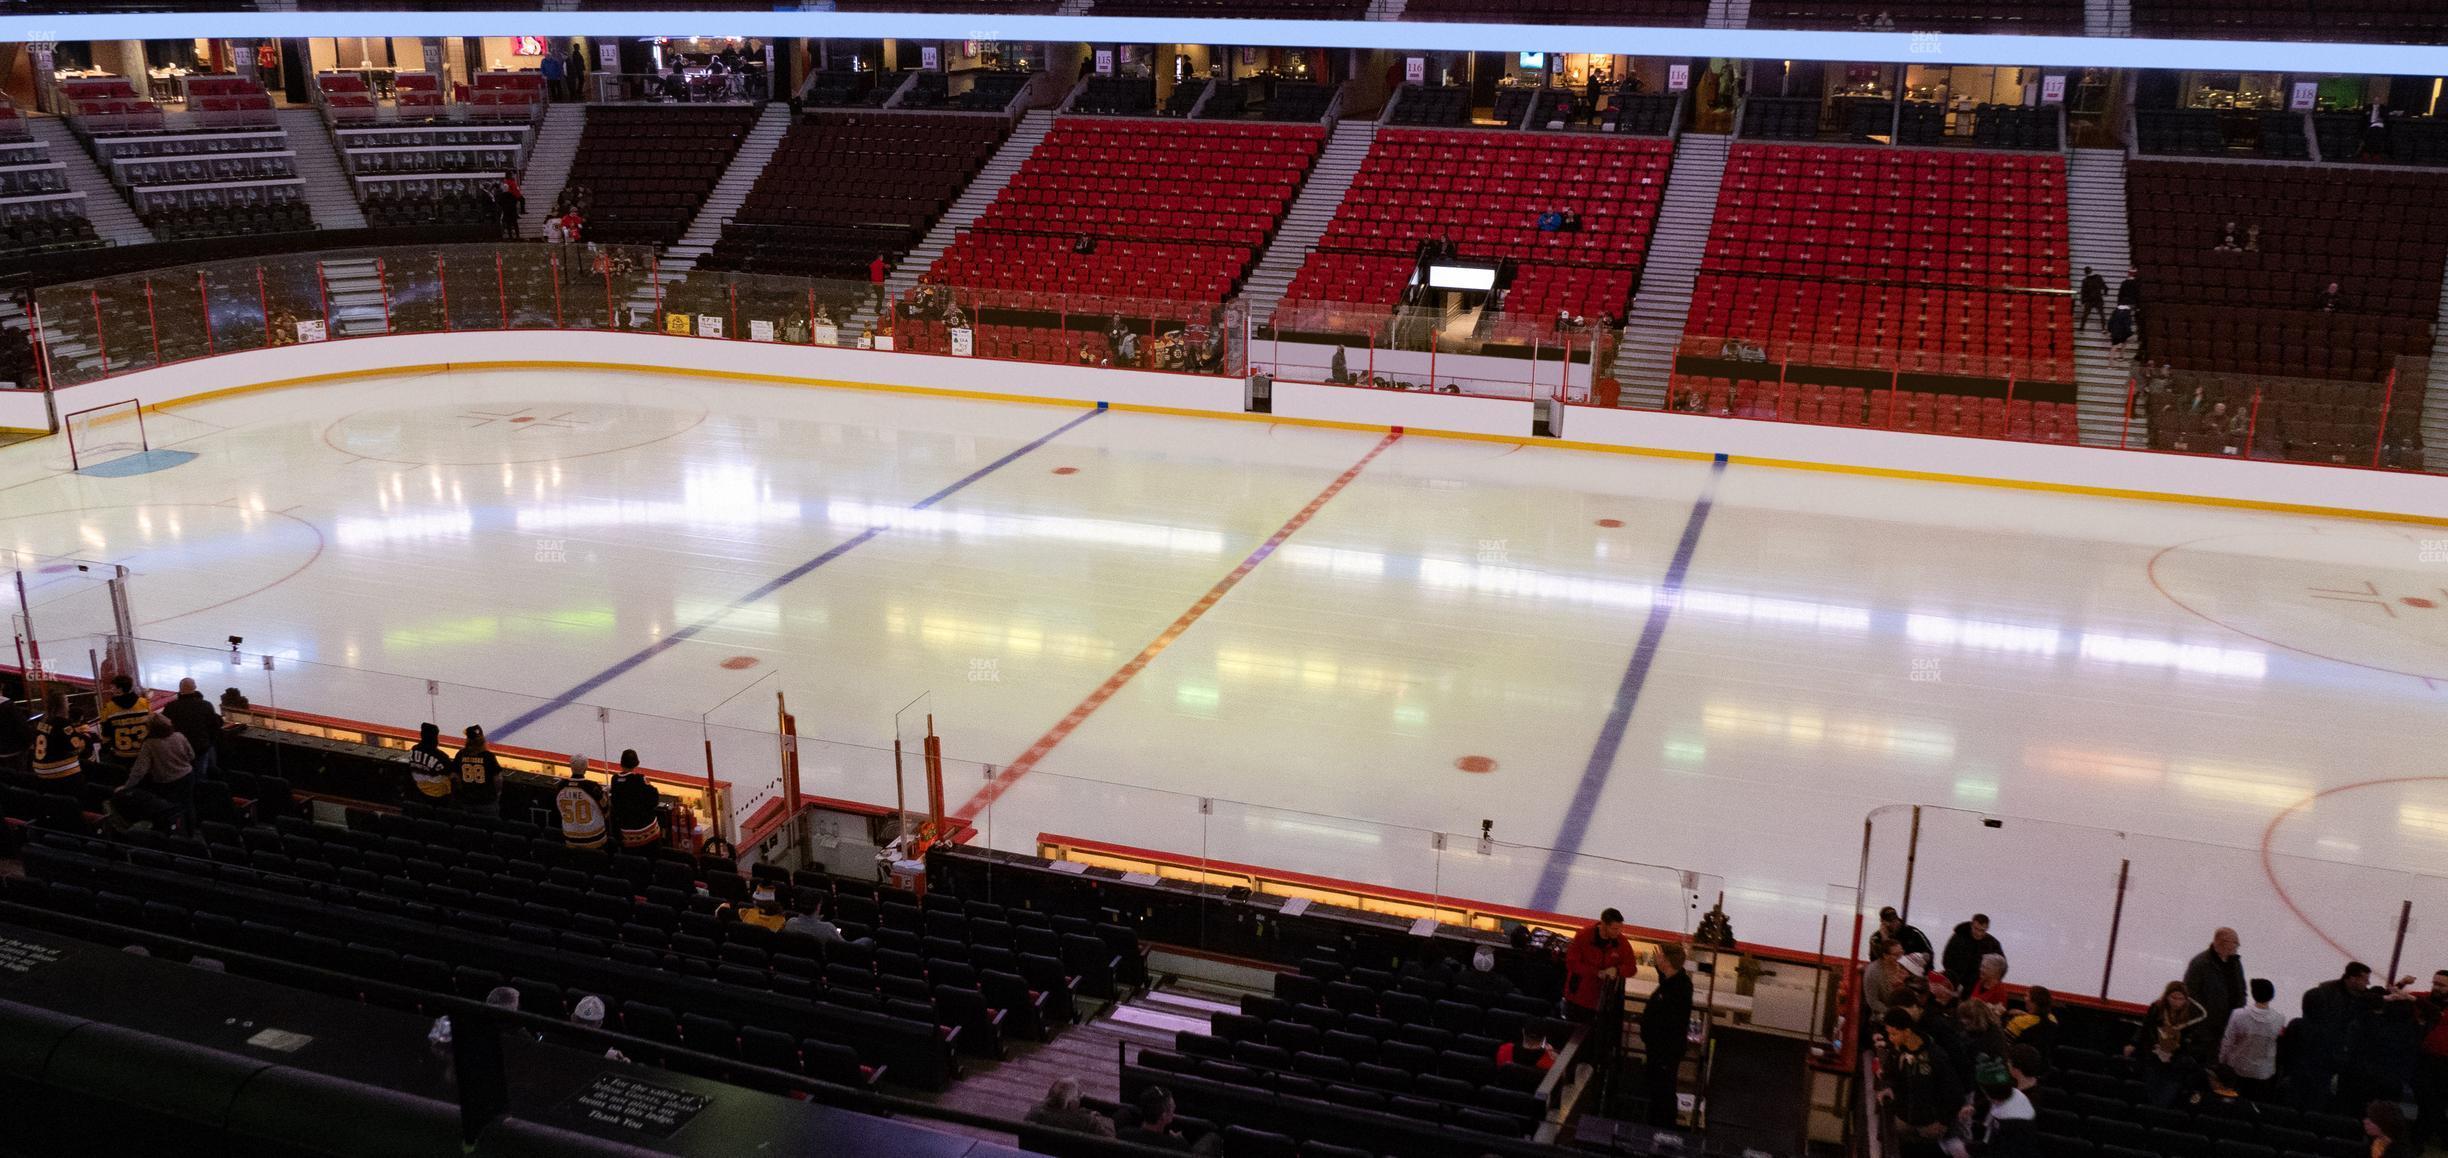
1627 694
777 583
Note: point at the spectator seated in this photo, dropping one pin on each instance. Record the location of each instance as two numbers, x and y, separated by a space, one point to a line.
802 217
2295 419
2381 236
646 169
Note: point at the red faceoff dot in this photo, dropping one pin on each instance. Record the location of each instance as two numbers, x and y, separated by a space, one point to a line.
2418 601
524 418
1610 522
1475 764
739 663
1066 470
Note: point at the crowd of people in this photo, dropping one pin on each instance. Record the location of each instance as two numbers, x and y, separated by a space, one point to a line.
1962 1062
147 753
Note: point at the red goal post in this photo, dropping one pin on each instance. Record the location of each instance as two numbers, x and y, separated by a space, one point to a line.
100 434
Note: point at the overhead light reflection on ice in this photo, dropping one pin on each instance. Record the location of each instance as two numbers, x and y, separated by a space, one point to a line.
2201 658
850 514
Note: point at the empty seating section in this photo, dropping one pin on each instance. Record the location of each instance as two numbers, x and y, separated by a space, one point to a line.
441 903
1361 1039
206 184
992 92
844 187
1996 16
1294 103
647 169
1178 211
344 97
38 210
1648 13
842 88
1933 412
418 96
979 7
1890 259
108 104
2381 235
1415 105
228 102
2354 21
506 96
1120 96
1484 192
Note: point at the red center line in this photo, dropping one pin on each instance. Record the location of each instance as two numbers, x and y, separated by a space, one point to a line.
1063 728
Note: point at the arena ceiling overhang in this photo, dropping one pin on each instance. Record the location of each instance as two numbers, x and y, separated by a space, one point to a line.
1757 44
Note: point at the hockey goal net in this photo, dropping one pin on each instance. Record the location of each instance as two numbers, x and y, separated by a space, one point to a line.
105 433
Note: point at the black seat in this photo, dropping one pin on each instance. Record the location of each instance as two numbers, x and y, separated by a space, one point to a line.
1260 1055
1385 1078
1243 1142
709 1035
759 1046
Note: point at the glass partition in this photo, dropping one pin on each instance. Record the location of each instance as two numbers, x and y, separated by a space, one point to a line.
2097 913
1397 347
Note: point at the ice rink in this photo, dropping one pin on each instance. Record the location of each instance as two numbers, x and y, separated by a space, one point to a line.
1315 649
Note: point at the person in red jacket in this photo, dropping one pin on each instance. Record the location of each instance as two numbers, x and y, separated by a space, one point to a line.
1597 960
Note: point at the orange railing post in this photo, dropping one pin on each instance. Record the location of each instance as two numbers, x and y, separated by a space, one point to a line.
101 339
442 287
2388 398
501 291
2252 424
263 302
2126 430
153 321
323 296
556 280
203 306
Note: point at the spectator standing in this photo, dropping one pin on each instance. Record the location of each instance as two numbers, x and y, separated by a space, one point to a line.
877 271
2330 300
1665 1028
2129 291
2005 1123
1964 950
479 787
61 742
2215 978
2431 1071
1594 964
555 87
1892 928
636 805
124 718
2248 1049
1922 1095
2322 1034
2120 327
430 769
2030 1071
1061 1109
2094 300
194 717
1885 976
580 803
